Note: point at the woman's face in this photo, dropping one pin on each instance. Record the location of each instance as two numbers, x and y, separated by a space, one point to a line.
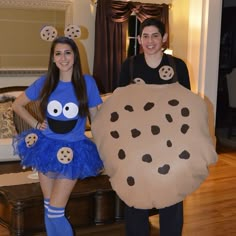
151 40
63 57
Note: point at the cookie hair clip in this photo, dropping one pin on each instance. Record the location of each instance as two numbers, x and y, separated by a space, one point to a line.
72 31
49 33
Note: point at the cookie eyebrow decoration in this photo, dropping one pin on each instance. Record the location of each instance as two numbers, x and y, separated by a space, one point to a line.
49 33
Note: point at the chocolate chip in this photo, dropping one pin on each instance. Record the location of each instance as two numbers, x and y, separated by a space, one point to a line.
173 102
148 106
155 129
185 112
164 169
130 181
135 133
169 143
115 134
121 154
147 158
114 116
169 118
184 128
184 155
129 108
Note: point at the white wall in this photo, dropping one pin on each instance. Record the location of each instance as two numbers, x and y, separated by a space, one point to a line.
203 47
84 16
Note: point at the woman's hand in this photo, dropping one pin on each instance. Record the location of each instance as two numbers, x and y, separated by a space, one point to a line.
41 126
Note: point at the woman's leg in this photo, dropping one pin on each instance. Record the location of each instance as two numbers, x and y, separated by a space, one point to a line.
58 190
46 187
61 191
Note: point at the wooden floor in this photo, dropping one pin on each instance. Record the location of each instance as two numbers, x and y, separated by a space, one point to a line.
210 211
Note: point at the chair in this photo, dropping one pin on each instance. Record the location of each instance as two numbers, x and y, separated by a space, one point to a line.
231 86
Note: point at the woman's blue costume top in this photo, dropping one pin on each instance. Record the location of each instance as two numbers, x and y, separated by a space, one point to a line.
61 150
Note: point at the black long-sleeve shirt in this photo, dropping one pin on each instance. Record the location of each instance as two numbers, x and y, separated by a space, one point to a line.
140 69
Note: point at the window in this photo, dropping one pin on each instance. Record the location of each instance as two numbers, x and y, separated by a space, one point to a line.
133 31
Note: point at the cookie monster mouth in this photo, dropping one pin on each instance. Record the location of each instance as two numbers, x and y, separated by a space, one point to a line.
60 126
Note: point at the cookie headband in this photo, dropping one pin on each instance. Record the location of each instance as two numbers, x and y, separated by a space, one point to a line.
49 33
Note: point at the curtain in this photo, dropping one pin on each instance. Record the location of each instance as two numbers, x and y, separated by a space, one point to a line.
110 36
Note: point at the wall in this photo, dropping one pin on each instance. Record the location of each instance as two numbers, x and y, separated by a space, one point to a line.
178 16
203 47
194 37
20 42
84 16
83 13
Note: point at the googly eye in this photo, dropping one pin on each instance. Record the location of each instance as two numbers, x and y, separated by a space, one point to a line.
54 108
70 110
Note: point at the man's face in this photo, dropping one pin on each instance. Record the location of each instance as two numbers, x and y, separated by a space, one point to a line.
151 40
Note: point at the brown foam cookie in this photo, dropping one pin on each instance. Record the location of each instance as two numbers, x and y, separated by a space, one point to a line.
155 144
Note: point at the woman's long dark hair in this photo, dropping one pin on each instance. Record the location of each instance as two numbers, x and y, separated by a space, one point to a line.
77 79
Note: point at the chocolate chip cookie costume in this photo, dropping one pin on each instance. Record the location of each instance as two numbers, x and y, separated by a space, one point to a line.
62 150
146 135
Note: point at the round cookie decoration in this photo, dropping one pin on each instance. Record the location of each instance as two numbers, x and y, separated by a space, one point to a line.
65 155
148 143
31 139
48 33
166 72
72 31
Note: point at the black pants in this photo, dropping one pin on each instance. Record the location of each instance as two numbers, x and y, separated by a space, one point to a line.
170 220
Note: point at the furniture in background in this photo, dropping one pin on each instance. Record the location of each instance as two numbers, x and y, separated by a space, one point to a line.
93 205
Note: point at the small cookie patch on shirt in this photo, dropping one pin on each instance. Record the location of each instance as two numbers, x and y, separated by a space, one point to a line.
65 155
31 139
166 72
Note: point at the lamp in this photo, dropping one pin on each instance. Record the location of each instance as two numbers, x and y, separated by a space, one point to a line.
168 51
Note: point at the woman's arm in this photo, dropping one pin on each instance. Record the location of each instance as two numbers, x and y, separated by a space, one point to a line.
19 107
93 112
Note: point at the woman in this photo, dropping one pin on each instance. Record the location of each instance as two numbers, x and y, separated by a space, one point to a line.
57 148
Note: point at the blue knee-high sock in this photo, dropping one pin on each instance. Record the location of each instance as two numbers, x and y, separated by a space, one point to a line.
58 222
49 227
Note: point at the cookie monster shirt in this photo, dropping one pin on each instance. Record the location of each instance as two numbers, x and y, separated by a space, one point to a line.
62 113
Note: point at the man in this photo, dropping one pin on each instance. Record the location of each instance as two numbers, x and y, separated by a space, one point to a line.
154 67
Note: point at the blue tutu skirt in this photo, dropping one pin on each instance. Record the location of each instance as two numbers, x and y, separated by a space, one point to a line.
57 158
